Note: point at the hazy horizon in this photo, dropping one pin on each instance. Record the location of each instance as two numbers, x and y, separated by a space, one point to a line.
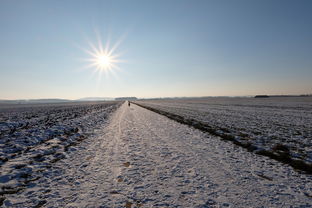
168 97
163 48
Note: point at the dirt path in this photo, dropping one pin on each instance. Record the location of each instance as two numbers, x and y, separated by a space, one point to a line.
142 159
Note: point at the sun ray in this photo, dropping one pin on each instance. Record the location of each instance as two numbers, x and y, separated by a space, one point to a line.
103 57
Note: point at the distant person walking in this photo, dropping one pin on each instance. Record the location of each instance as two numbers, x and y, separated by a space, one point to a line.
129 103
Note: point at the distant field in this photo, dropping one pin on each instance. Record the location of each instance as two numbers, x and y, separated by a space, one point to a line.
34 136
277 127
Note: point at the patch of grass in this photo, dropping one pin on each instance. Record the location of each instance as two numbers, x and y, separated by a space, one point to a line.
229 137
285 158
40 203
301 165
249 146
39 158
280 147
1 200
244 135
9 190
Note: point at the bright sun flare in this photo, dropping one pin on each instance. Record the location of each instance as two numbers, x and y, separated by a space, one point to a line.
103 58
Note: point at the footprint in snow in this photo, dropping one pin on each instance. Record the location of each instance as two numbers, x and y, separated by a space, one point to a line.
126 164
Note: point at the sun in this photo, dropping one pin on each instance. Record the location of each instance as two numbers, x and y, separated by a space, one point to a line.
103 58
103 61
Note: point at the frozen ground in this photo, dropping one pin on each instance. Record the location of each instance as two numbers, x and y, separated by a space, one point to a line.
279 127
32 137
143 159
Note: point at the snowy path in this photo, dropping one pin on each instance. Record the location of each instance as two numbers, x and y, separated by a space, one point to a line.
142 159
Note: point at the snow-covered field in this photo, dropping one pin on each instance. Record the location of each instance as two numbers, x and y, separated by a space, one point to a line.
279 127
110 155
142 159
32 137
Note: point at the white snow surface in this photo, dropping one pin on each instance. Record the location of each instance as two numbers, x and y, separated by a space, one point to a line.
142 159
264 123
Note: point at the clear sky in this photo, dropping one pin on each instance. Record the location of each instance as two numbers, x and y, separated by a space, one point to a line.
169 48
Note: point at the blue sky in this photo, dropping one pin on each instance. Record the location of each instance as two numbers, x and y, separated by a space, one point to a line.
169 48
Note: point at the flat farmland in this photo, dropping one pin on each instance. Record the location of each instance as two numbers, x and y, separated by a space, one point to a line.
110 154
278 127
32 137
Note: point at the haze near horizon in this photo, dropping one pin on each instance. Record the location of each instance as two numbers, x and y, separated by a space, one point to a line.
74 49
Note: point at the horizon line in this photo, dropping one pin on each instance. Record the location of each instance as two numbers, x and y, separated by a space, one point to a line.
158 97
